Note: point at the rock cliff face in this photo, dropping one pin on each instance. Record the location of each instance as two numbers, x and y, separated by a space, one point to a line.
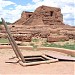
43 15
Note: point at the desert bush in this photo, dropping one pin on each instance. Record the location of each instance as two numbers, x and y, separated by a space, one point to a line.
69 46
3 40
66 46
35 40
34 46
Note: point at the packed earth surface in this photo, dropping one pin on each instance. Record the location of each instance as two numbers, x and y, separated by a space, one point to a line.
57 68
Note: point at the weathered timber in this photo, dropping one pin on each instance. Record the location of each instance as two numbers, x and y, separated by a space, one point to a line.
39 62
13 43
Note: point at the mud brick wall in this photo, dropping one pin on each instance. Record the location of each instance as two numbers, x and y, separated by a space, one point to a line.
24 38
57 38
43 15
24 16
45 21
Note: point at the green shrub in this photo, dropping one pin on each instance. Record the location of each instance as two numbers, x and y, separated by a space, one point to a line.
66 46
69 46
34 46
6 22
35 40
3 40
62 40
0 22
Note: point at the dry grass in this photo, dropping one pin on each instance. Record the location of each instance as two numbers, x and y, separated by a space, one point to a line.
42 42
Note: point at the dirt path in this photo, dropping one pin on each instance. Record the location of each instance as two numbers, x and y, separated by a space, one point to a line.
58 68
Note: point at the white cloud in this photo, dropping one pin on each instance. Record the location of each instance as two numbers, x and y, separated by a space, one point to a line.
45 2
68 1
12 15
5 3
3 12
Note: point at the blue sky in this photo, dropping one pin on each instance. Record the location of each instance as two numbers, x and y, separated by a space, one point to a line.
11 10
21 2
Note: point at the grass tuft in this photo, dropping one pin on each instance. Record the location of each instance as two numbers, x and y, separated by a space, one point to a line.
3 40
66 46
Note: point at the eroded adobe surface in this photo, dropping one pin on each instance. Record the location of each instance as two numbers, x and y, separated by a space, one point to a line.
42 15
44 22
24 16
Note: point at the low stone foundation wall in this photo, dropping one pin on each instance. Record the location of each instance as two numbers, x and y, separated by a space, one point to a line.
20 47
67 51
57 38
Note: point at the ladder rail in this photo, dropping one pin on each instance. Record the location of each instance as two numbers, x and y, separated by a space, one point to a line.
12 42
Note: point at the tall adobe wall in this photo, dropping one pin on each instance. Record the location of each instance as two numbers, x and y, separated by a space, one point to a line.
24 16
45 15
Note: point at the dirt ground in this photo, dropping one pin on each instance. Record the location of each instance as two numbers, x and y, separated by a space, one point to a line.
57 68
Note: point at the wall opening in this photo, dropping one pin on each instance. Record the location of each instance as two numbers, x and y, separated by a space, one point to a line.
13 26
29 15
51 13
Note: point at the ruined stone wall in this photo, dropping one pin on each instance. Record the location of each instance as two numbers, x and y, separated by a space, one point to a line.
45 15
45 22
24 16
